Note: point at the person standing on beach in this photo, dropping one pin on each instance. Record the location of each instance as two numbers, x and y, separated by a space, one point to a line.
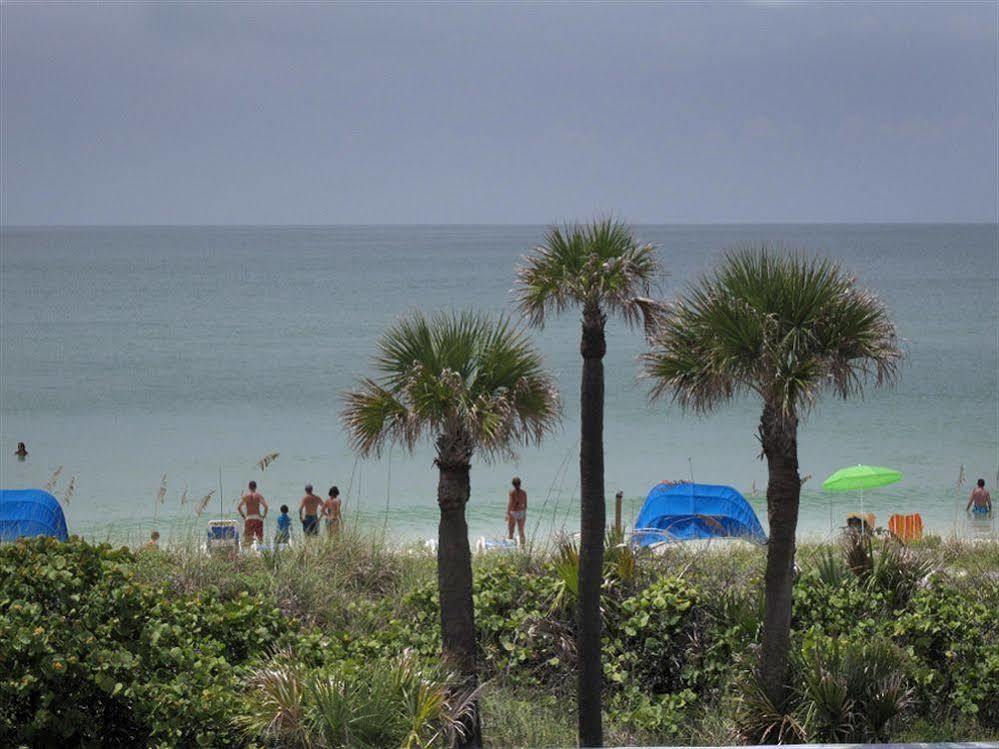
249 508
331 512
516 510
308 511
283 535
980 501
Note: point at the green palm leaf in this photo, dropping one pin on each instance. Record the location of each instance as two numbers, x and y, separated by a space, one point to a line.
776 323
457 375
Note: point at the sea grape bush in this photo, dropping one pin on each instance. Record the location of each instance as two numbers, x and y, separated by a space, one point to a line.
92 657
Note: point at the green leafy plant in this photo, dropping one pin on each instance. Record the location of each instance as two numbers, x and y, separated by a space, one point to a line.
397 703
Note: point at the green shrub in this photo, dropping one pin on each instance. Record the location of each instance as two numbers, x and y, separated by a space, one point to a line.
956 641
645 647
395 703
92 656
850 690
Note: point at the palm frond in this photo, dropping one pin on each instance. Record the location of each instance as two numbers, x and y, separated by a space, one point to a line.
460 374
601 263
774 322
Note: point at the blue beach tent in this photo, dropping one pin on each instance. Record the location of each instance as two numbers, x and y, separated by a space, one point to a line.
685 512
30 512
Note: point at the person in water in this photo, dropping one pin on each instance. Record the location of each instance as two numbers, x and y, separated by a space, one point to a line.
21 451
154 541
283 534
331 512
516 510
249 509
308 512
980 501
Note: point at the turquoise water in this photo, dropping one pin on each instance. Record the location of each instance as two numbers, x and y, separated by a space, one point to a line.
129 353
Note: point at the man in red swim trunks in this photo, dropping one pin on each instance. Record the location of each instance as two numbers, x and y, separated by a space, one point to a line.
249 509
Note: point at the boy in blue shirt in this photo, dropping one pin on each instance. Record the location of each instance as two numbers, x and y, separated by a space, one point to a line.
283 534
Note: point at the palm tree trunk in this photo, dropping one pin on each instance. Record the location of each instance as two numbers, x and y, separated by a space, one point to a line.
454 581
592 525
779 437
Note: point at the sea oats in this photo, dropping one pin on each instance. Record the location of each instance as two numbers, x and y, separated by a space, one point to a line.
161 494
183 497
203 504
68 494
267 460
50 485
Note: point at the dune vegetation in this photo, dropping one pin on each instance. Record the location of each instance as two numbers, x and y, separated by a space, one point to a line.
337 643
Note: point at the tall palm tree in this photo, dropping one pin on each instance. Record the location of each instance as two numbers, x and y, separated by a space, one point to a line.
602 269
785 328
471 385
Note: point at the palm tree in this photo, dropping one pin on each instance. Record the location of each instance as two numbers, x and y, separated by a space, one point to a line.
602 269
471 385
786 328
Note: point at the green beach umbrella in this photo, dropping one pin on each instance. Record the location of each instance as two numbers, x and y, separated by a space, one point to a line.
861 477
858 478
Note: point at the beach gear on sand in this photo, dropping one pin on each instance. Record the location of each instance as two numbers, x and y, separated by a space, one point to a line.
907 527
223 536
685 512
25 513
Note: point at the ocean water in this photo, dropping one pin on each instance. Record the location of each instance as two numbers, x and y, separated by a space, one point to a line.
133 353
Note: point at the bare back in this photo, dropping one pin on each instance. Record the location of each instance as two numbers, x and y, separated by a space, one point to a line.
331 509
252 502
980 497
310 505
518 500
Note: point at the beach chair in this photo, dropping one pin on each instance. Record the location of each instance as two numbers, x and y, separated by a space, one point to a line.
223 537
907 527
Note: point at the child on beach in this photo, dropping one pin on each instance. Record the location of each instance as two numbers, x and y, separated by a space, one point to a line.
283 534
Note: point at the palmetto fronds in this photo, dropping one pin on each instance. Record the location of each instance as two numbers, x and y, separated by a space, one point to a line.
776 323
460 376
598 264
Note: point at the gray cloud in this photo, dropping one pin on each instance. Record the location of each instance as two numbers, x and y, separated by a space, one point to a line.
371 113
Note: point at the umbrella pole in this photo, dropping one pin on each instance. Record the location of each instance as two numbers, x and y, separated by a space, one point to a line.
863 517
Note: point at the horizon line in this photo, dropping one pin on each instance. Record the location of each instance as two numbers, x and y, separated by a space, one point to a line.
981 222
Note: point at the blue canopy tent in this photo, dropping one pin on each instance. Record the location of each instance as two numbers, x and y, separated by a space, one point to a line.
685 512
30 512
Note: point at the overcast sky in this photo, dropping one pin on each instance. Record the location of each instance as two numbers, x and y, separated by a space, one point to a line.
315 113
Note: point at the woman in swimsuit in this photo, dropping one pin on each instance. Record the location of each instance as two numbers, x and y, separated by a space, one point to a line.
331 512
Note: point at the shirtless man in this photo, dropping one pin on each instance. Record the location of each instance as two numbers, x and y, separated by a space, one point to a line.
980 500
249 509
308 512
331 512
516 510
